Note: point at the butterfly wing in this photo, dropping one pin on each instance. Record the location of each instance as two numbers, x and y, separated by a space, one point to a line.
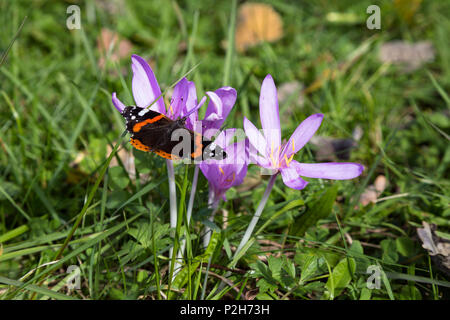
153 132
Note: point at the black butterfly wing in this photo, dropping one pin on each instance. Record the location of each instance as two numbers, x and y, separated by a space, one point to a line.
153 131
139 118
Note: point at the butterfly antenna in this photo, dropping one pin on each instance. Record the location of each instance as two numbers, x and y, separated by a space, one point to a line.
198 106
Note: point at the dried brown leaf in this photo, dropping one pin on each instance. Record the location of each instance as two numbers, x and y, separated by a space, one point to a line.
112 47
257 22
409 56
438 248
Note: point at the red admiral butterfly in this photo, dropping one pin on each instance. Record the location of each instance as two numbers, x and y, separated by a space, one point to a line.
152 131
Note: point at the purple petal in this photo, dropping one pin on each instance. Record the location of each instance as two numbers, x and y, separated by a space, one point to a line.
117 103
255 137
221 102
192 122
237 154
331 170
223 139
191 104
258 160
292 179
268 111
179 99
144 85
302 134
240 175
215 106
212 174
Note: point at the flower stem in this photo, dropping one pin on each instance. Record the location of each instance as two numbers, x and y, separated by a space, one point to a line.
252 224
192 196
172 197
207 236
188 216
257 214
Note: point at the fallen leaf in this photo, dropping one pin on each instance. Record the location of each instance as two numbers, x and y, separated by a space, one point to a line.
257 22
372 192
409 56
333 149
438 248
127 158
112 47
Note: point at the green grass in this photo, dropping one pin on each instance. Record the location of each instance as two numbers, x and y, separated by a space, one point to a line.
55 105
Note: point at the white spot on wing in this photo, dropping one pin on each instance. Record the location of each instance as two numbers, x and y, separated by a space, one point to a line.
141 113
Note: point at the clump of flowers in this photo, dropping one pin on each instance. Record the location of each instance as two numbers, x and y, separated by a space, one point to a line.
268 152
262 147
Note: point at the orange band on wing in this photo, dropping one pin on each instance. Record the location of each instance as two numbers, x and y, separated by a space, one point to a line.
198 148
166 155
138 126
139 145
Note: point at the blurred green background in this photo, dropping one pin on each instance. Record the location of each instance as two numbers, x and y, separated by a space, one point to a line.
386 105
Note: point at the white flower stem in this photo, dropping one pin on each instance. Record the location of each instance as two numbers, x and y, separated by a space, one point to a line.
257 214
253 223
214 205
188 216
192 196
172 198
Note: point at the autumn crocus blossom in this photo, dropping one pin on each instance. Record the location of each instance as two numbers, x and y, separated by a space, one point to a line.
268 151
224 174
146 92
220 104
229 172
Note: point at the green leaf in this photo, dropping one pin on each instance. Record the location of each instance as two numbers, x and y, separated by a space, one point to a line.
265 285
143 235
10 188
365 294
35 288
313 264
309 267
358 253
119 178
405 246
116 199
13 233
275 265
319 209
211 225
389 249
141 276
340 278
409 292
289 206
182 277
356 247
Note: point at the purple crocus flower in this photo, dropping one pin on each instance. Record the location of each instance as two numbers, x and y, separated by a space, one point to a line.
229 172
183 103
146 90
268 151
224 174
221 102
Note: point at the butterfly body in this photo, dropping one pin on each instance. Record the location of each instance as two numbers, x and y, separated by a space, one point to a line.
152 131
